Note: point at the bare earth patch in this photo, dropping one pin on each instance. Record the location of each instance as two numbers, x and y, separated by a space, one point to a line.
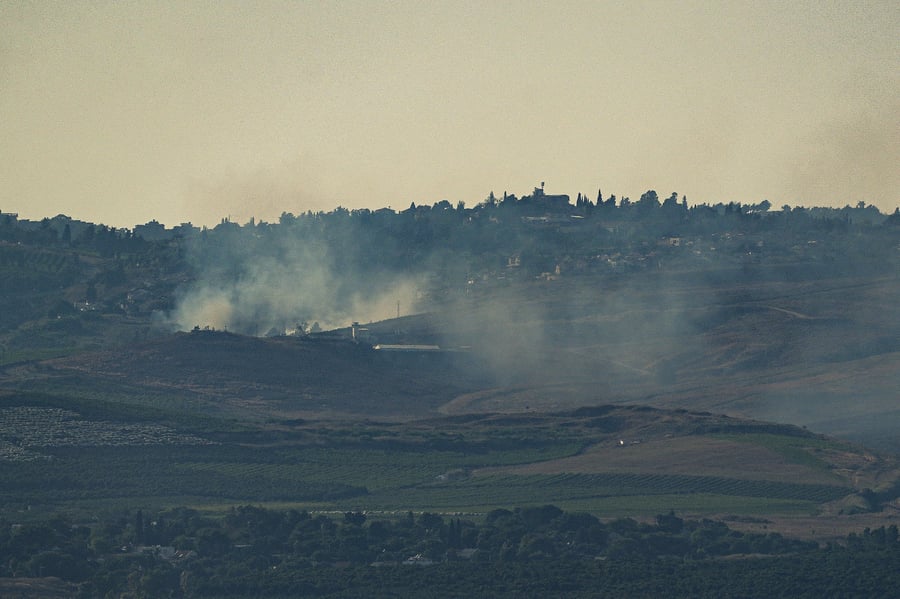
823 528
692 455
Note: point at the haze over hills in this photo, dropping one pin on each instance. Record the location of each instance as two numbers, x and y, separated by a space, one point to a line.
609 359
788 316
820 354
546 393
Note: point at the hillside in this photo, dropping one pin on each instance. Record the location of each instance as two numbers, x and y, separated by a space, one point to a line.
818 352
250 378
590 358
815 351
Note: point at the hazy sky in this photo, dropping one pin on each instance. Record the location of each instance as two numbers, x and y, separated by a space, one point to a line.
122 112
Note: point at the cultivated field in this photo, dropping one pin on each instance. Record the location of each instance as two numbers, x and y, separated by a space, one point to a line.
611 461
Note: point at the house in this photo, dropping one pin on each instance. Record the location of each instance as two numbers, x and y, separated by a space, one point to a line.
547 201
152 231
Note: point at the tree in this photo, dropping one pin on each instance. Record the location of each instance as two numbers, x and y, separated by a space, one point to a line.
354 518
672 208
139 527
670 522
90 293
649 202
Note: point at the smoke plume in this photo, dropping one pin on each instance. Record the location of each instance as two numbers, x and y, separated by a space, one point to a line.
273 281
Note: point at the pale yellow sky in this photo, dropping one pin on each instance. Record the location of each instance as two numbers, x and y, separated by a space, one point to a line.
122 112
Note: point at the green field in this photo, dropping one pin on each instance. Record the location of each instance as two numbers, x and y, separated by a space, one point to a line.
68 460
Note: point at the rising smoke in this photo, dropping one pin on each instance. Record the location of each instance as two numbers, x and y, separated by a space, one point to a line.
272 281
705 326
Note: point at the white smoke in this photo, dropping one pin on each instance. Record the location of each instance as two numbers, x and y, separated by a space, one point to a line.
253 287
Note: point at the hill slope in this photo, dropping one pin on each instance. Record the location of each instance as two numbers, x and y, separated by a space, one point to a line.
817 352
251 378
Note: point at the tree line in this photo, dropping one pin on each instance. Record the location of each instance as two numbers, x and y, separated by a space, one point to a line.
251 551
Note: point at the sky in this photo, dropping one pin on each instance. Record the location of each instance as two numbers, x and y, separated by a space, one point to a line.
125 112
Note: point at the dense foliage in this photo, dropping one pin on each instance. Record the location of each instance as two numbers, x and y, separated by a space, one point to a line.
539 551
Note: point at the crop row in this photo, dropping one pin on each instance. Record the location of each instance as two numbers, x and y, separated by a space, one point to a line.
84 471
601 491
349 475
795 449
650 484
372 468
102 473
